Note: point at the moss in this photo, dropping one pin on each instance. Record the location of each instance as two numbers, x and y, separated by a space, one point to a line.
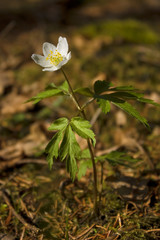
112 202
92 66
138 226
127 30
3 210
123 63
135 234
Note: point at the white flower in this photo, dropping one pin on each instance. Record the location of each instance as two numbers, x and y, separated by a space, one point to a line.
54 57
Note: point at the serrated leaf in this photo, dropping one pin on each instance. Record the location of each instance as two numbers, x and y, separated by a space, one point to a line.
114 158
121 103
101 86
50 86
70 149
64 86
109 97
104 86
84 91
52 148
85 163
118 158
122 93
149 101
126 95
59 124
123 88
71 166
50 91
85 154
104 105
82 128
83 168
45 94
69 144
132 111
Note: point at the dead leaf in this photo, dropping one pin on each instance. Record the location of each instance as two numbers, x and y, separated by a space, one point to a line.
6 237
11 152
14 103
28 146
121 119
130 188
6 81
35 140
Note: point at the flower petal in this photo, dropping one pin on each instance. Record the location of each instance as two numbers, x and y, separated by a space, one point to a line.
68 56
51 69
62 46
65 60
40 60
47 47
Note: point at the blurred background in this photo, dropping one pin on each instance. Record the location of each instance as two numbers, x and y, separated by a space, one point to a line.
118 40
113 40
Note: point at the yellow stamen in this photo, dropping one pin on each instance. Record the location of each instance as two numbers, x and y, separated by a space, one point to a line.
55 58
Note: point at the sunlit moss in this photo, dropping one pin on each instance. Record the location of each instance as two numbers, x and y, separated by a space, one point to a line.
122 30
134 235
124 64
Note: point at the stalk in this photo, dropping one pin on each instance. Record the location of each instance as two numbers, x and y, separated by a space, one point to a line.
81 109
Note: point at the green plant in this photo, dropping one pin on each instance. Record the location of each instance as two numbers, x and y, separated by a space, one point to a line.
64 144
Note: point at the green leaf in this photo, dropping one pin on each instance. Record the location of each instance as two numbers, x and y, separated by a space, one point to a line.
85 162
50 91
118 97
121 158
85 154
82 128
121 103
59 124
70 149
64 87
52 148
45 94
51 86
132 111
114 158
71 166
109 97
149 101
120 94
101 86
123 88
126 95
83 168
104 105
84 91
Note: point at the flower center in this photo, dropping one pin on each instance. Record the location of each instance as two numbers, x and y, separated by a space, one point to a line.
55 58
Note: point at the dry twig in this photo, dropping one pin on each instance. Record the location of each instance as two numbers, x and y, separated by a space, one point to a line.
18 216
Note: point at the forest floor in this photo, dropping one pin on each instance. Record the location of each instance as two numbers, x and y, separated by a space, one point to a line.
109 40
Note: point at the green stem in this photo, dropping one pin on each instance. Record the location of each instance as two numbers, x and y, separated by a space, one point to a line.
87 103
74 98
